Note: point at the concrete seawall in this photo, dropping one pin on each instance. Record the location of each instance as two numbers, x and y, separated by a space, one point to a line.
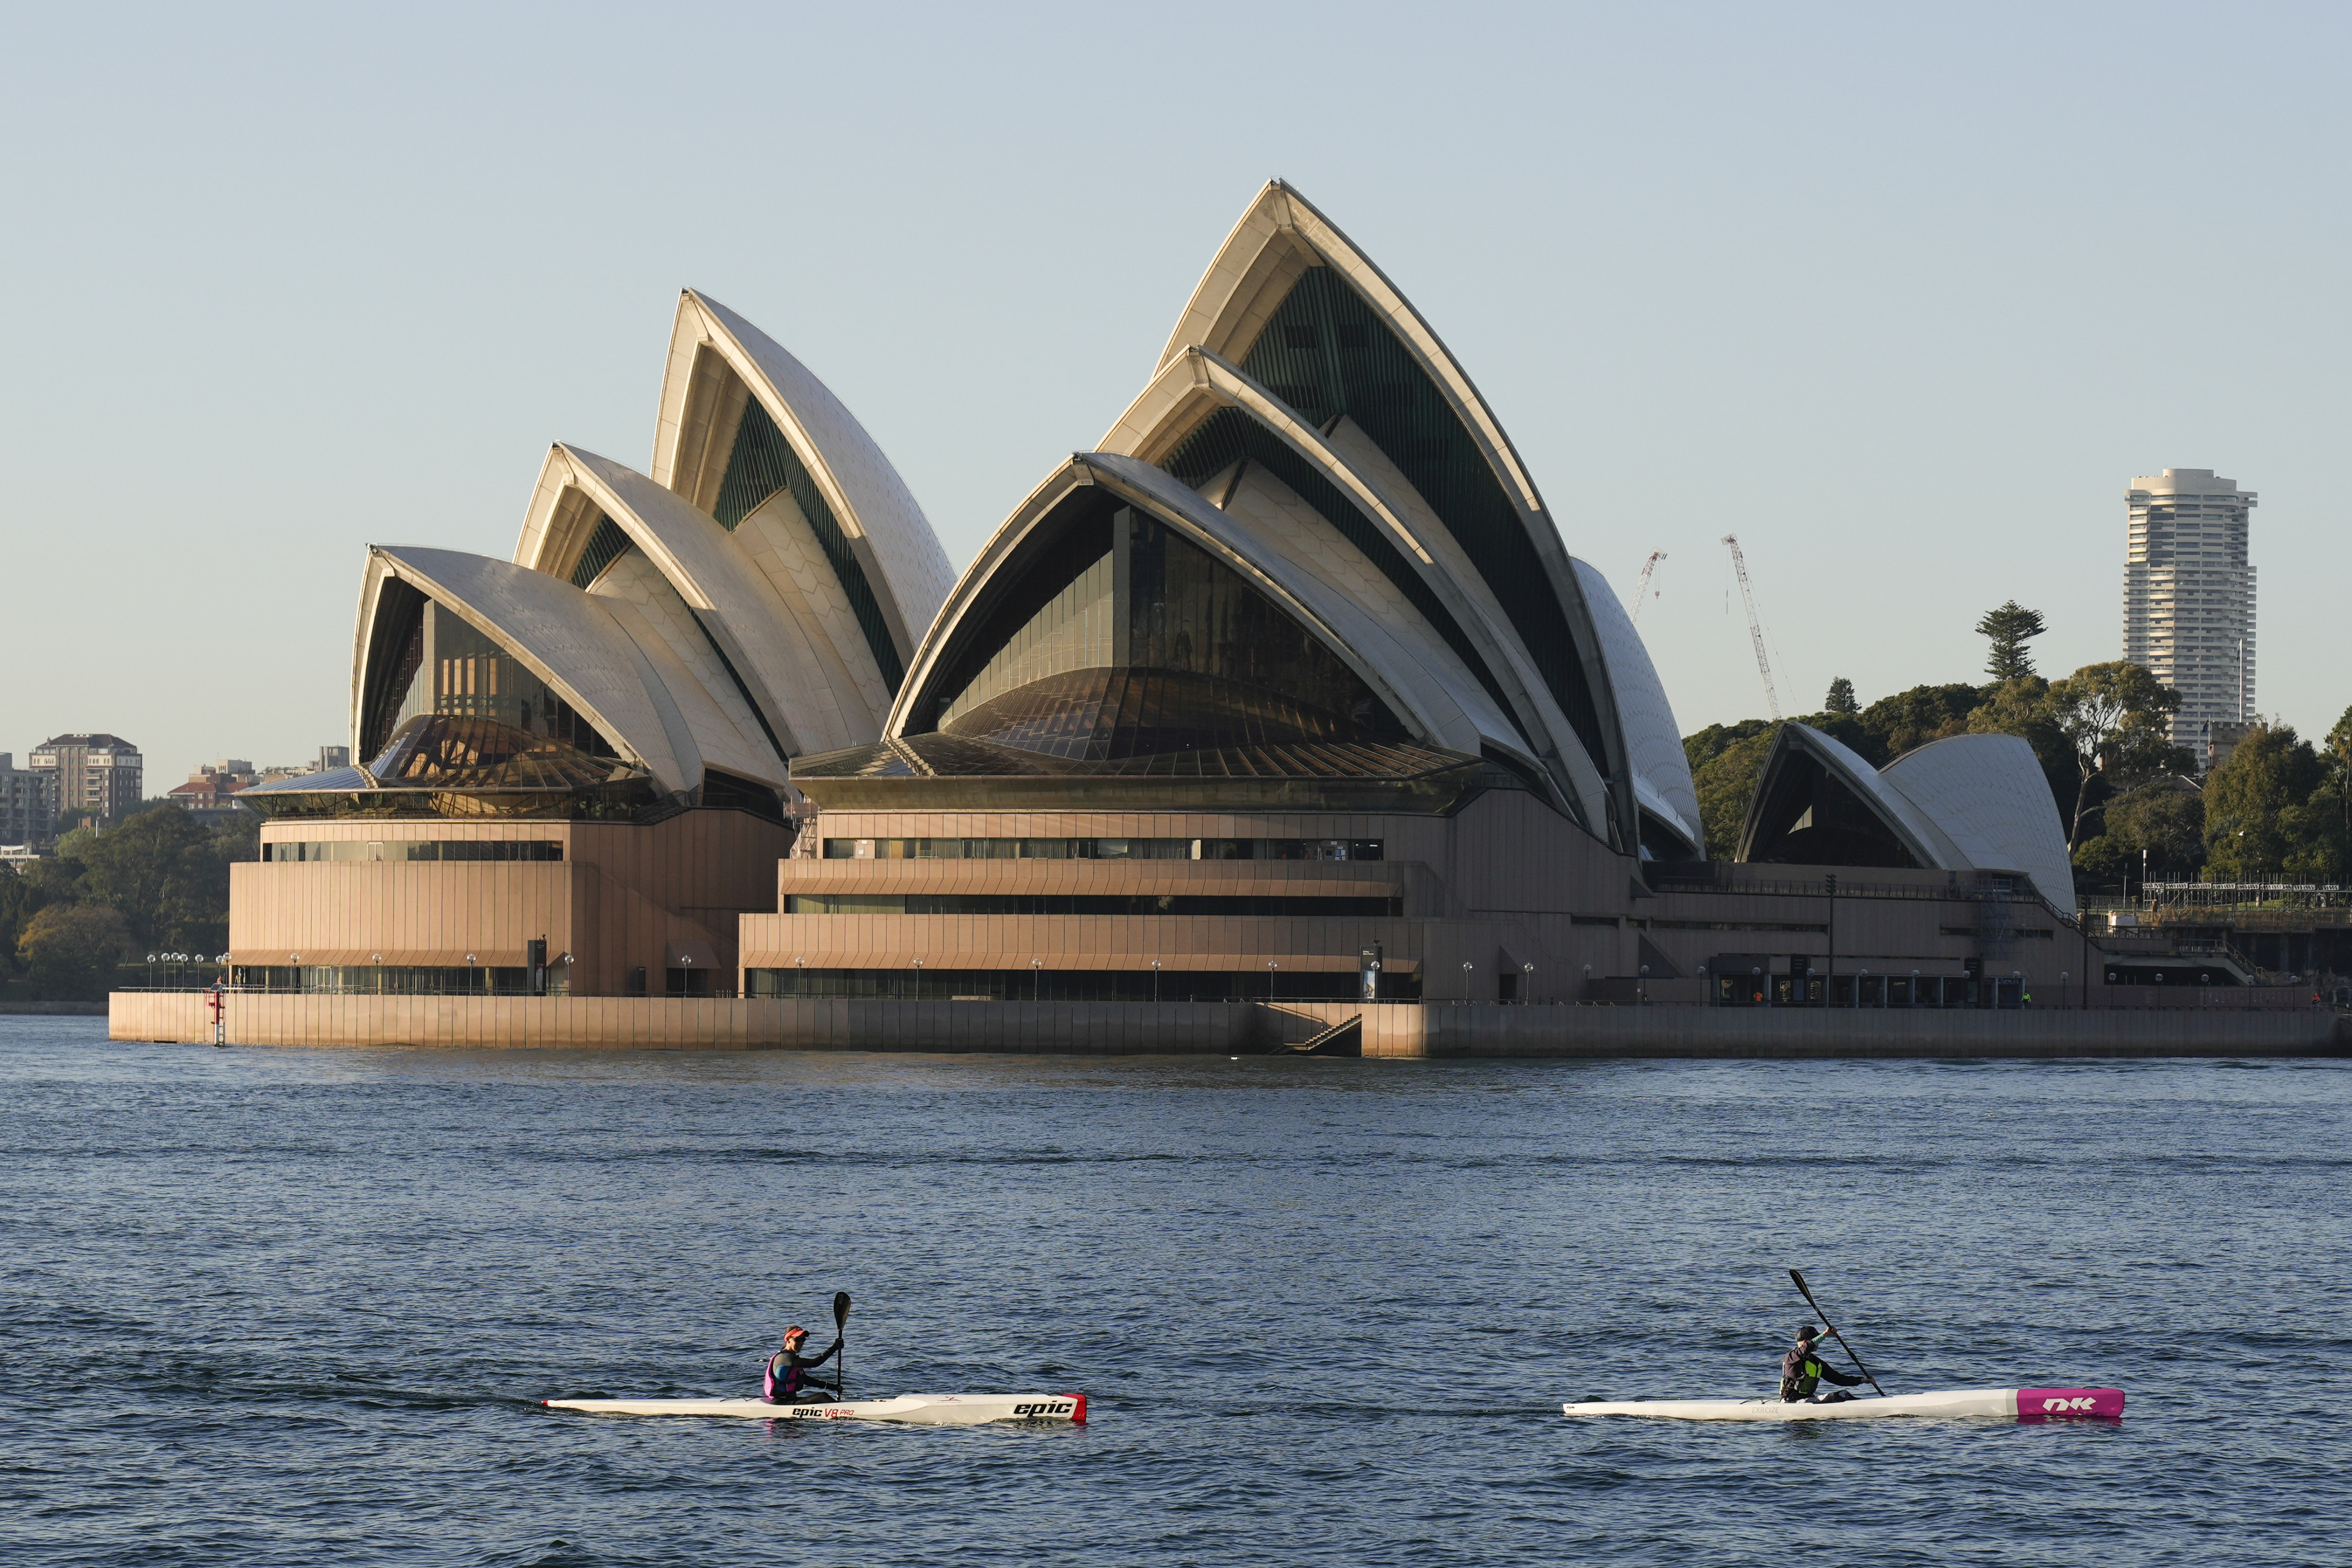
1227 1028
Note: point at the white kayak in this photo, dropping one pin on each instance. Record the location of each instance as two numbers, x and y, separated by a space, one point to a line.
928 1410
2008 1404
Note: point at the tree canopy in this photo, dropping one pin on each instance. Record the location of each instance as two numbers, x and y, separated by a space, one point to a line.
1841 698
157 881
2274 812
2116 719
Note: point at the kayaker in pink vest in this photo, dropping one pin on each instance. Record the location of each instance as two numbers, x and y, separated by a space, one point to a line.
788 1370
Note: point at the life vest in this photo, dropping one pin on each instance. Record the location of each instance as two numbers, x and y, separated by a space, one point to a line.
1801 1373
782 1390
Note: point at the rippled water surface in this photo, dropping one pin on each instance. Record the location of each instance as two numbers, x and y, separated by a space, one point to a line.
273 1306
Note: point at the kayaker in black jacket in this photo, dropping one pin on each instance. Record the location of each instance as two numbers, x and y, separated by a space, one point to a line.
788 1370
1801 1371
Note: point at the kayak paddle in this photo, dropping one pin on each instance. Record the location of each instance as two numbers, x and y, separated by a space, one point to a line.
1831 1329
840 1332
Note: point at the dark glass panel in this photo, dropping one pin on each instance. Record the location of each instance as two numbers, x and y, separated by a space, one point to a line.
396 649
727 793
607 544
1809 817
1327 352
762 462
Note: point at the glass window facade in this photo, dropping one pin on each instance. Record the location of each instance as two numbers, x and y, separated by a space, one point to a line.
1182 654
449 669
1106 849
391 850
395 979
1296 907
1076 985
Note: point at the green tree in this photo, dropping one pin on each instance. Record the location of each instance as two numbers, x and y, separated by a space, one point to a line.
70 951
166 873
1841 698
2166 821
2115 718
2251 823
1725 759
2339 761
2010 627
1909 720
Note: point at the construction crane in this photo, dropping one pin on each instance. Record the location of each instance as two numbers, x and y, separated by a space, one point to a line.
1755 626
1642 588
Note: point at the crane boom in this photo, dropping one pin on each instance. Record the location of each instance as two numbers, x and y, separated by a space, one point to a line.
1755 626
1642 588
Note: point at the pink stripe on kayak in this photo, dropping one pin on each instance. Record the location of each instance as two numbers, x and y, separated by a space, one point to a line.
2047 1404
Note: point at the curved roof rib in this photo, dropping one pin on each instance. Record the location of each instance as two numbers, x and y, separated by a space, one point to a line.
1989 794
893 569
561 634
776 627
1654 742
1172 424
1292 302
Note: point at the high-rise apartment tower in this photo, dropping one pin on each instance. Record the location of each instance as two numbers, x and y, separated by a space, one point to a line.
100 772
2189 599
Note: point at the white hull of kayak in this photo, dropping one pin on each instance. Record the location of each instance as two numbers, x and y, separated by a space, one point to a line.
926 1409
2007 1404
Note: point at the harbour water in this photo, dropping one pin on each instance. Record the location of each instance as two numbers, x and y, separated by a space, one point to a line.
299 1306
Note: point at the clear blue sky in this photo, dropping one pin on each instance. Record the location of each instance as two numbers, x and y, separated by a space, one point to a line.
1903 295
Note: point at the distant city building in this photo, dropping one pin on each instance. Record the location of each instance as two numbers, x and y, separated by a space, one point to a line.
333 757
102 773
2189 599
28 803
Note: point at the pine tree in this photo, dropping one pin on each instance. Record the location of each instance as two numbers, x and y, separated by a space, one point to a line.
1841 698
2010 627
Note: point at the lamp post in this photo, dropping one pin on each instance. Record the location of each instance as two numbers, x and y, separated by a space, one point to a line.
379 972
1155 982
1915 987
919 980
1641 988
1036 981
1527 985
1272 968
151 971
1702 990
1466 966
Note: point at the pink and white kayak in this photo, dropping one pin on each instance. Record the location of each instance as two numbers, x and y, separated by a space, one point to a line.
925 1409
2007 1404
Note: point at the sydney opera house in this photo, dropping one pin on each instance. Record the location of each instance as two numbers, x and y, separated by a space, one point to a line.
1289 689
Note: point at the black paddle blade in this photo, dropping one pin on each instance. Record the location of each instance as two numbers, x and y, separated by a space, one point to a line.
840 1309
